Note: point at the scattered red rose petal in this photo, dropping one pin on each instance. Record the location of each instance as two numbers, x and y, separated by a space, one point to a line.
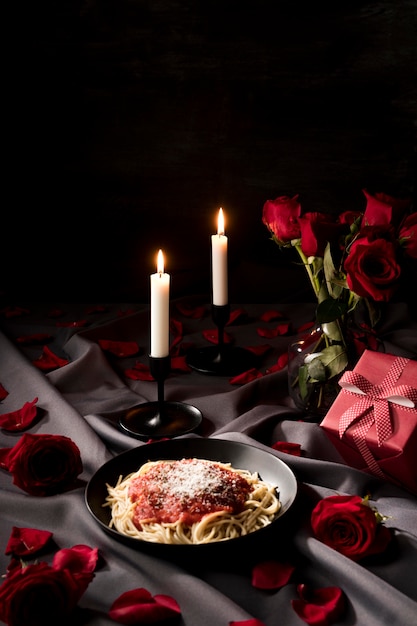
271 574
319 607
49 361
270 316
279 365
139 372
138 606
281 329
195 312
78 559
34 338
3 392
176 327
259 350
288 447
26 541
119 348
246 377
179 364
236 315
21 418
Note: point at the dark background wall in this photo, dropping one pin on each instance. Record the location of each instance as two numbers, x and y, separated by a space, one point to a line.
133 121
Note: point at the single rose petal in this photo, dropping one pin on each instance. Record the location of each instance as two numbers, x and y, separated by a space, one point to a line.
236 315
138 606
26 541
34 338
319 606
176 327
270 316
288 447
259 350
78 559
179 364
246 377
195 312
271 574
124 312
3 392
119 348
139 371
278 331
21 418
48 360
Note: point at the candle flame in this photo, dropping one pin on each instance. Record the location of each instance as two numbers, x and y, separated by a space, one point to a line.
160 263
220 222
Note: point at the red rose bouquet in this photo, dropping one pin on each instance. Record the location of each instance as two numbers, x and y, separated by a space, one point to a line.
355 258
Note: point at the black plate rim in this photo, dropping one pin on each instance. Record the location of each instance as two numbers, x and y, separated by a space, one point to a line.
160 450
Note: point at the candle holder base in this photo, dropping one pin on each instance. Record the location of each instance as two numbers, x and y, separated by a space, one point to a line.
224 361
155 420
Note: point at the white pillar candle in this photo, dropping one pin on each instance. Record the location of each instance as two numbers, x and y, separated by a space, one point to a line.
219 263
160 283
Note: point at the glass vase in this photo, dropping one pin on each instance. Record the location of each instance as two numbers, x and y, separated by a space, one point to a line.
309 386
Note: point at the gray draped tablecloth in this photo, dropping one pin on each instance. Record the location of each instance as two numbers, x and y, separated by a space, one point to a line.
74 399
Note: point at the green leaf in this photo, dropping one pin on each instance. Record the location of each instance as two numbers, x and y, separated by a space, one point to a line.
335 359
317 370
302 381
330 310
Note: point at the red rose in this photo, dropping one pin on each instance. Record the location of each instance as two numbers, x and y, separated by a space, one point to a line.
317 229
42 464
372 269
38 595
281 217
384 209
348 525
408 235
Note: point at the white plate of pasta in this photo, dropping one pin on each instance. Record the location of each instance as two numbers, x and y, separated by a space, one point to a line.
191 493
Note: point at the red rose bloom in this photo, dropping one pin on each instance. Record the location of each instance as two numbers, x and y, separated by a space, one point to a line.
372 270
281 217
408 235
349 526
384 209
42 465
317 229
38 595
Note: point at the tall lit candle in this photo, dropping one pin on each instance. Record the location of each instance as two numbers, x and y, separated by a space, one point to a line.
160 284
219 263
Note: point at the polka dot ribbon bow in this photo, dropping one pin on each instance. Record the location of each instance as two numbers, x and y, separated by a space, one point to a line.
373 405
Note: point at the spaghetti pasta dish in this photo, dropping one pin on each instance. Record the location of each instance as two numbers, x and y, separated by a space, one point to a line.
190 501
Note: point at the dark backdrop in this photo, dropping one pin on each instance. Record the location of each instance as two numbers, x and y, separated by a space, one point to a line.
133 121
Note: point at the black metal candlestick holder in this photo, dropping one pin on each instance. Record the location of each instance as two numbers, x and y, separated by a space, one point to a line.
221 359
160 419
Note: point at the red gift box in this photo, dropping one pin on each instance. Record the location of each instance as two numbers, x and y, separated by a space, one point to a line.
373 421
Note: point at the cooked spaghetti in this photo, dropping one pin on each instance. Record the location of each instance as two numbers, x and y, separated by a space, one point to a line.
190 501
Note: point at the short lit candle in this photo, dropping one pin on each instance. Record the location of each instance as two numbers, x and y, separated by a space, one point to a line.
219 263
160 284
